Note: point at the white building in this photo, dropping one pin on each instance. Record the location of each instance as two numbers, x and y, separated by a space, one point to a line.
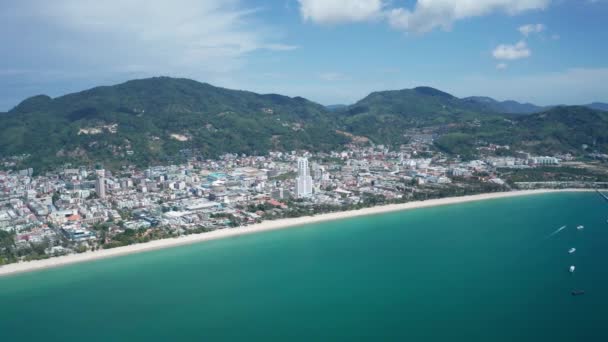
100 187
544 161
304 180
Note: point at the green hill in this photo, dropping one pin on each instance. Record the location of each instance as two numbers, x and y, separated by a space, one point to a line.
383 116
461 123
598 106
160 120
564 128
336 107
418 103
151 120
507 107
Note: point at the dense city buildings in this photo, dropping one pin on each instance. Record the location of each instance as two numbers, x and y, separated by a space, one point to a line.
79 208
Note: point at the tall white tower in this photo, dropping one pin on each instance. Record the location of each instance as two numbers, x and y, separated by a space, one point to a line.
304 180
303 170
100 187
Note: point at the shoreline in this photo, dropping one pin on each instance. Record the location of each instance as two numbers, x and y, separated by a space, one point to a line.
38 265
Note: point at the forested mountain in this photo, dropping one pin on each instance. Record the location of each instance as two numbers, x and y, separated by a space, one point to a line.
160 119
336 107
598 106
420 103
507 107
514 107
153 119
564 128
383 116
561 129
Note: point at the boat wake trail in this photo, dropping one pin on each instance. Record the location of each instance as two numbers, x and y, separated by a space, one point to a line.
557 231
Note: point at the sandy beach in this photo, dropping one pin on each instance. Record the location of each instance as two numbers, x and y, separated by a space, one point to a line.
261 227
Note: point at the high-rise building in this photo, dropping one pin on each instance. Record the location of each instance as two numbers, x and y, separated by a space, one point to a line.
304 180
100 187
303 169
318 172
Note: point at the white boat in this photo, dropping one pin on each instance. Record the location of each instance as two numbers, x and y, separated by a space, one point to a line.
572 268
581 227
571 250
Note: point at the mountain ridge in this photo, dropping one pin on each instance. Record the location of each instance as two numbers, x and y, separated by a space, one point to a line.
156 120
506 106
598 106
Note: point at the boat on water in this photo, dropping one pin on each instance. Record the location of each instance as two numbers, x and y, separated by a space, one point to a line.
578 292
581 227
572 268
571 250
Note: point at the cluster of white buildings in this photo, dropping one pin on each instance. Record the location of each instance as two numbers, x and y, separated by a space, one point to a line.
522 162
230 190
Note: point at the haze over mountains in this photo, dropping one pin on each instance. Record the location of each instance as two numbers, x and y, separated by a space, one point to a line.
159 119
507 107
514 107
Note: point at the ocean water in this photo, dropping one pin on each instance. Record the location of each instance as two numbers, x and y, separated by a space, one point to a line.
483 271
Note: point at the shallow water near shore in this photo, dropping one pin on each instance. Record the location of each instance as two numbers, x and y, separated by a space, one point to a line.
480 271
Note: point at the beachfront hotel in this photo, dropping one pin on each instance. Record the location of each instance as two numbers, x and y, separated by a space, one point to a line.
304 180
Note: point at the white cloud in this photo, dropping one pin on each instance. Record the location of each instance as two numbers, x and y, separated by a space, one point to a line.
430 14
280 47
181 37
512 52
526 30
338 11
399 18
425 16
501 66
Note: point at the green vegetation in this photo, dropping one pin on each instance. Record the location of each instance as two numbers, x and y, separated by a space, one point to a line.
457 143
557 130
507 107
79 127
285 176
234 221
7 247
554 174
383 116
133 236
161 120
462 123
563 129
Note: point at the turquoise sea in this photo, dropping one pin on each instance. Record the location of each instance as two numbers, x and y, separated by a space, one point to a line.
483 271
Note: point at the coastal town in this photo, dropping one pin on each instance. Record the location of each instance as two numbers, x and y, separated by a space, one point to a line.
79 209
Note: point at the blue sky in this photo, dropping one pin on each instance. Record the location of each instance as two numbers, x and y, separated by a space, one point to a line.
330 51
